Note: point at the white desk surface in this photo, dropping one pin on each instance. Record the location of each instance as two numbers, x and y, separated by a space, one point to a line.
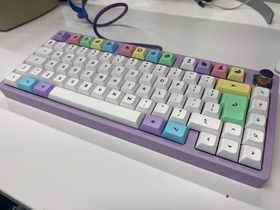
50 163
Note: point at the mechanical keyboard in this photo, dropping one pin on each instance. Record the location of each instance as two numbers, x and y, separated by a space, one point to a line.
215 116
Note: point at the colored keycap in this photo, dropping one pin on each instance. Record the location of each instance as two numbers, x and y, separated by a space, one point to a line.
220 70
126 50
204 67
97 43
226 86
27 83
236 74
75 39
153 56
140 53
167 59
61 36
175 132
86 41
234 108
153 124
42 88
110 46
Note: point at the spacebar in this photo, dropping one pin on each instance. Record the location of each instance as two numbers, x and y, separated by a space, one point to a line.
97 107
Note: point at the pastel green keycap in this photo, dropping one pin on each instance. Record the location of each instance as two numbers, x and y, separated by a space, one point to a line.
167 59
234 108
86 41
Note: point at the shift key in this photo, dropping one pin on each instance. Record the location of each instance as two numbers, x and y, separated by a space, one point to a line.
234 108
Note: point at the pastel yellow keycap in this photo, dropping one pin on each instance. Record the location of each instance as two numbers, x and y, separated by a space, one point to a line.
140 53
236 74
97 43
227 86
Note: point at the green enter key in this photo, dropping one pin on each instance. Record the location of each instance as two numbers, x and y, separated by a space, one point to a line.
234 108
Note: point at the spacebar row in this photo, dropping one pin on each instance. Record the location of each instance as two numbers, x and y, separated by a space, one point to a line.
97 107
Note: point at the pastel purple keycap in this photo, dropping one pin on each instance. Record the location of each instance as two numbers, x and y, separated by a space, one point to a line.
42 88
153 124
204 67
61 36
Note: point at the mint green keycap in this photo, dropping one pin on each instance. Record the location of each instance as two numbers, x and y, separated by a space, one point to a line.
234 108
167 59
86 41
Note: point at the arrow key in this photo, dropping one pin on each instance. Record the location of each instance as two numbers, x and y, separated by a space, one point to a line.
207 142
251 156
228 149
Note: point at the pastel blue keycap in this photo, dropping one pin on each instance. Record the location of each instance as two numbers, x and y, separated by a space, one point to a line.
153 56
110 46
175 132
27 83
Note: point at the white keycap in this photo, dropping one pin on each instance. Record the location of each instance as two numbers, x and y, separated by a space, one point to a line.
94 54
44 52
207 81
162 83
258 106
72 84
47 76
129 101
105 68
63 68
146 67
35 60
160 96
85 88
106 57
75 72
176 100
129 87
180 116
60 80
260 93
162 110
160 70
82 51
211 109
191 77
60 46
253 138
97 107
36 72
50 43
114 96
87 75
68 58
80 61
188 64
228 149
92 65
100 92
251 156
147 79
115 83
101 79
12 79
71 48
119 60
175 74
256 121
211 95
145 106
133 75
207 142
119 71
144 91
178 87
57 55
193 105
232 131
23 68
132 63
194 91
204 123
51 65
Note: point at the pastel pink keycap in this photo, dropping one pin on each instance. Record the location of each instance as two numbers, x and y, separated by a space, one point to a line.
220 70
